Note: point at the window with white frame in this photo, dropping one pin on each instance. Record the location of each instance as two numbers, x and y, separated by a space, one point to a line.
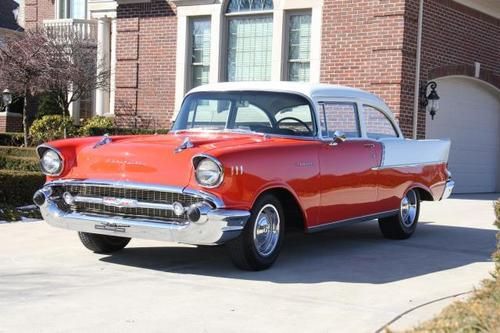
299 46
200 51
250 37
72 9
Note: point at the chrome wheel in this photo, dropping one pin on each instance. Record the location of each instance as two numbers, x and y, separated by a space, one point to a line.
266 231
409 206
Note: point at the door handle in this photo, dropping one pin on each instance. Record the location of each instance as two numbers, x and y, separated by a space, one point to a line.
369 145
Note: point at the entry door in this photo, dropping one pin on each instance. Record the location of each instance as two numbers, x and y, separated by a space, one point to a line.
348 183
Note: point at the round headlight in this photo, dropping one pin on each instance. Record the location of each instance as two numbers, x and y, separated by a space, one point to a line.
51 163
208 173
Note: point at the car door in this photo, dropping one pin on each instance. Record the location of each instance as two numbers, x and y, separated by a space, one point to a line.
348 183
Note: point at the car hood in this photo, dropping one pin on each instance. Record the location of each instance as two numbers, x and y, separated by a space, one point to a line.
158 159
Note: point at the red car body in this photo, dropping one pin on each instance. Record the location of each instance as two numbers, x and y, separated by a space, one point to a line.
327 181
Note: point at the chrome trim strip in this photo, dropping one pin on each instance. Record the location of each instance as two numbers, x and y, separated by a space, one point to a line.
345 222
406 165
46 146
218 202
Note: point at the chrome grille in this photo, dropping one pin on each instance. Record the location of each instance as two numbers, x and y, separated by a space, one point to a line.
142 195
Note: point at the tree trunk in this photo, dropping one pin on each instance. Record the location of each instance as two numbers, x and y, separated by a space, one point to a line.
25 116
66 111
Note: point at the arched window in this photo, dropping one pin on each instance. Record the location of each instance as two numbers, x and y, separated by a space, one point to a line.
250 35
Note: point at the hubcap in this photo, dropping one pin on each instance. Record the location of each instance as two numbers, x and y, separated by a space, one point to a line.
266 232
409 208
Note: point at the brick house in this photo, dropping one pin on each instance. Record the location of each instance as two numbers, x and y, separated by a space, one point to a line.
159 49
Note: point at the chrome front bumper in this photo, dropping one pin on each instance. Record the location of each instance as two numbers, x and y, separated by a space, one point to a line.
218 226
448 189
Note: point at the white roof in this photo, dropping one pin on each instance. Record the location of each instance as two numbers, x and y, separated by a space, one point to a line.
311 90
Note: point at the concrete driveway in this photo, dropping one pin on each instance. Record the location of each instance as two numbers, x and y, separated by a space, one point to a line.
345 280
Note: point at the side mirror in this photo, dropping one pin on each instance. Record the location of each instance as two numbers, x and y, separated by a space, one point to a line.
338 137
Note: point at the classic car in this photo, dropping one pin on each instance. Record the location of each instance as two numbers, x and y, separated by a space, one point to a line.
242 163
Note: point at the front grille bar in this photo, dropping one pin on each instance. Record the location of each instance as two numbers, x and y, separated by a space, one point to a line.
123 203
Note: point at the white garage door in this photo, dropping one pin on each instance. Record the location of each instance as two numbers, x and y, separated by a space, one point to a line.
469 115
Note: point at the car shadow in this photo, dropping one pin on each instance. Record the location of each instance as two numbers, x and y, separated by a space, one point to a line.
355 254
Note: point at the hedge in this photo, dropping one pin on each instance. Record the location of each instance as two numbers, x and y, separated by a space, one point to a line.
19 163
17 187
11 139
18 152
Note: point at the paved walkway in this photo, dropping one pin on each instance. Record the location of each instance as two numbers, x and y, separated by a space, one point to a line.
345 280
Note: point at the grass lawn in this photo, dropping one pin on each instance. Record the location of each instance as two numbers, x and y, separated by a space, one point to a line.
480 312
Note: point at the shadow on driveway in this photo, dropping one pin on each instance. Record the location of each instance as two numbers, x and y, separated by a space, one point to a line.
355 254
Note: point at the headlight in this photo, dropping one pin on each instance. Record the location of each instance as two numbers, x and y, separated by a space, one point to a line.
208 172
51 163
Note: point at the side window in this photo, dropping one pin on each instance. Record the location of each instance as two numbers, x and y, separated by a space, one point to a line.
338 116
377 124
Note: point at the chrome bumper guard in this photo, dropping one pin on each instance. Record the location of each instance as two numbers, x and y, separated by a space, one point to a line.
448 189
216 227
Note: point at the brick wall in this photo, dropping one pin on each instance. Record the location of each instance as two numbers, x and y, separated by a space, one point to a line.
371 44
362 45
35 11
145 72
454 37
11 123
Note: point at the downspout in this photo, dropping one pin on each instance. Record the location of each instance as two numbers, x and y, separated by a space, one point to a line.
417 69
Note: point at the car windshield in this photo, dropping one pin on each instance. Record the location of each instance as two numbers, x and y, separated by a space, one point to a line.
262 112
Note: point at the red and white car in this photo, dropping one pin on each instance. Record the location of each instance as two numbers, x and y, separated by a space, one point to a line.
243 162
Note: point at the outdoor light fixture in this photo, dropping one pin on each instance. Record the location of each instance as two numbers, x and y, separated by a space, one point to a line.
433 98
6 99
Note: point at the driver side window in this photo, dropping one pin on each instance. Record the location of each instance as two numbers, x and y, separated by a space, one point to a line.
339 116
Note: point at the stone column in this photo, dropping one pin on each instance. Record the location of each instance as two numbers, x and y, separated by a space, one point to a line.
103 63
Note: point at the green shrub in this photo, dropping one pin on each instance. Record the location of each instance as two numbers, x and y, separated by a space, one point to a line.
50 128
17 187
48 105
11 139
10 213
98 125
19 163
18 152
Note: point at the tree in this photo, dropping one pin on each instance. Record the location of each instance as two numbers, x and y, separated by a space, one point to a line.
64 64
74 70
24 64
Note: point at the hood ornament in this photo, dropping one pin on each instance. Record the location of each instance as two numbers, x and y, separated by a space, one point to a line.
186 144
104 141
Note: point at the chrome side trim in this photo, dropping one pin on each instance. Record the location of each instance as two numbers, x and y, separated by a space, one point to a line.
354 220
40 153
406 165
218 202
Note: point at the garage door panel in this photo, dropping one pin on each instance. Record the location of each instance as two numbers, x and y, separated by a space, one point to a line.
469 116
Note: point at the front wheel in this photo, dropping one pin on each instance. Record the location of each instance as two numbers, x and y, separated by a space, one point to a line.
258 246
102 243
402 225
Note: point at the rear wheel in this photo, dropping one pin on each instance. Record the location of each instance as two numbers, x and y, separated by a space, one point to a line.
402 225
102 243
258 246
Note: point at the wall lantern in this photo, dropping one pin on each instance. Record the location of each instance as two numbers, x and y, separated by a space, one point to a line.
432 100
6 99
